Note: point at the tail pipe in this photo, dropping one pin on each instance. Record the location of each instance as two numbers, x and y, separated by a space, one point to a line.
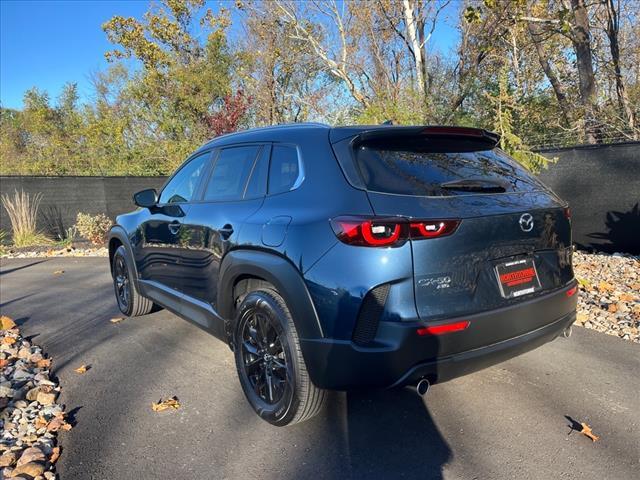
422 387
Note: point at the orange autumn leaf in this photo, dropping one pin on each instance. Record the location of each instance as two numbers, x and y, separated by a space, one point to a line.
55 454
6 323
166 404
586 430
8 340
605 287
40 423
82 369
44 363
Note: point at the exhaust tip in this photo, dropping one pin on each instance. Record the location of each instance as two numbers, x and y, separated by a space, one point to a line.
567 332
423 387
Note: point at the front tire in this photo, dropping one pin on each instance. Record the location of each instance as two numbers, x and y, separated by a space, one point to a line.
269 362
130 302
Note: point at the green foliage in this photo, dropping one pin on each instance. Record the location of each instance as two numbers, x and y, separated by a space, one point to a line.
93 227
511 143
23 214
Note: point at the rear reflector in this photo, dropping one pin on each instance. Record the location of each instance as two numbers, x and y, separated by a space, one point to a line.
442 329
572 291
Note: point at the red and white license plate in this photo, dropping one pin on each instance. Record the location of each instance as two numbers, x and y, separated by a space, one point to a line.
517 278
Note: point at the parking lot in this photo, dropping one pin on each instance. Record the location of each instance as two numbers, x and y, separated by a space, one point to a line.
509 421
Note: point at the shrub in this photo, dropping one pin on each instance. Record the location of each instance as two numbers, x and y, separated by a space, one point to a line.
93 227
23 214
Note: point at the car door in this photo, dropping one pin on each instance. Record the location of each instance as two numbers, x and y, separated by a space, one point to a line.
159 254
234 190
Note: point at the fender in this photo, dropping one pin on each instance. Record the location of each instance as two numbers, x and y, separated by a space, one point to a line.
119 233
278 271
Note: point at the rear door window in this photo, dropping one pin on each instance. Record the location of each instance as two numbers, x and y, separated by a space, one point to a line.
230 173
408 171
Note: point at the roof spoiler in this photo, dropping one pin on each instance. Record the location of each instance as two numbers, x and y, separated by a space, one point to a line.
380 132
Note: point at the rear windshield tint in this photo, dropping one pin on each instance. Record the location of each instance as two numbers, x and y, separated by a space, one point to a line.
415 172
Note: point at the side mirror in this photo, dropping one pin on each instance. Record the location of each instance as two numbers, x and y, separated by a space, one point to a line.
146 198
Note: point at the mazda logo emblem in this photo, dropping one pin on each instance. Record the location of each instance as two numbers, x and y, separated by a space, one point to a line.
526 222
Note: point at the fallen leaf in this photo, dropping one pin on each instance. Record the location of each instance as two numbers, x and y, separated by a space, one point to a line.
7 322
58 272
8 340
612 308
586 430
55 454
40 422
625 297
58 423
605 287
82 369
166 404
44 363
3 362
116 319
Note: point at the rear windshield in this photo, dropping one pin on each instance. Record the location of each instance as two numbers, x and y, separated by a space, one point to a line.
427 173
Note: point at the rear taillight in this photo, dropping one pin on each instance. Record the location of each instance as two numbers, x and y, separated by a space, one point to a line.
572 291
567 212
387 232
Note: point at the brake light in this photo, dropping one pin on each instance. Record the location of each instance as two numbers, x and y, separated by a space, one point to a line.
567 212
387 232
442 329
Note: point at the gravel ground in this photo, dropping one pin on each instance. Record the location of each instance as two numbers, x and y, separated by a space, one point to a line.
30 416
609 298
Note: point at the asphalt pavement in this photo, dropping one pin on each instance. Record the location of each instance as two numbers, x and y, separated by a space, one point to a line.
509 421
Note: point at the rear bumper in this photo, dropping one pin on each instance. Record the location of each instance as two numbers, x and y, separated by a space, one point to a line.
400 356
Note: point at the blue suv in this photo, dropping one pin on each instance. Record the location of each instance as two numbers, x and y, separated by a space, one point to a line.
364 256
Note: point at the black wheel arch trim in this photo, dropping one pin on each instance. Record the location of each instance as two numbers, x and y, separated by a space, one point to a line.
278 271
120 234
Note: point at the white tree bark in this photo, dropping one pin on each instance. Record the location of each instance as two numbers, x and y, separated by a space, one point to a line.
412 36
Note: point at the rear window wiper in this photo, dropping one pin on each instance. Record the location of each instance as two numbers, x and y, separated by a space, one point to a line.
475 185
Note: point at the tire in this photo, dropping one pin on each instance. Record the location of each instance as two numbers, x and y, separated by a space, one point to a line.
130 302
267 345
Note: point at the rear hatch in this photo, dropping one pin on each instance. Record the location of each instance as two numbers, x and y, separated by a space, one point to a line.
513 236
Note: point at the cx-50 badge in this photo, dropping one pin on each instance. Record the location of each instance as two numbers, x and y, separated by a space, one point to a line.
526 222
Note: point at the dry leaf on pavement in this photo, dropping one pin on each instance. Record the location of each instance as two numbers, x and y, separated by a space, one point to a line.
7 322
586 430
82 369
116 319
58 272
166 404
55 453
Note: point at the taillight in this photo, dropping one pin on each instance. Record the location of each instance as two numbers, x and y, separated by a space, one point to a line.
567 212
572 291
387 232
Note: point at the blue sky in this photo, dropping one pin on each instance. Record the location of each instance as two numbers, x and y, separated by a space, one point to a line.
48 43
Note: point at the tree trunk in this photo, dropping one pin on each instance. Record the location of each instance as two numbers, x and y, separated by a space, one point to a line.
613 27
581 39
534 32
412 35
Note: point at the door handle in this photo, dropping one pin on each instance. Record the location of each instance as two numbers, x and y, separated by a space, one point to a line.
174 226
226 231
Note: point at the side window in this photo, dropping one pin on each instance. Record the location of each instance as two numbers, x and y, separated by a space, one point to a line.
230 173
257 186
183 185
284 169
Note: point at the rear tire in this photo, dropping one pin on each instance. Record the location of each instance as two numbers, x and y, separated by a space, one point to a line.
270 366
130 302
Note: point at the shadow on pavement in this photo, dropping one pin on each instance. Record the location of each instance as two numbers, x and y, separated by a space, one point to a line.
15 269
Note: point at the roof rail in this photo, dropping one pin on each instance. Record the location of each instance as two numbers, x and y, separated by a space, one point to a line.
271 127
